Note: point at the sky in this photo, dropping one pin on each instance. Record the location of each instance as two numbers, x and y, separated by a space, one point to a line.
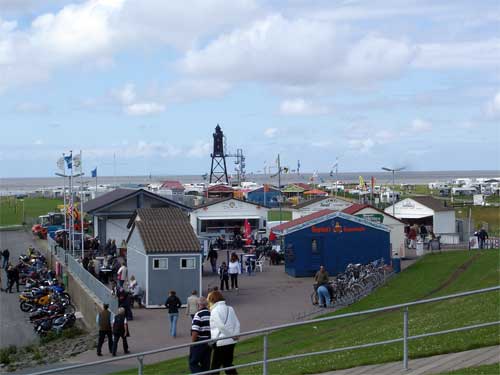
362 83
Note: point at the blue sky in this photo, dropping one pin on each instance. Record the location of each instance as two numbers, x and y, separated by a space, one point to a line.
414 83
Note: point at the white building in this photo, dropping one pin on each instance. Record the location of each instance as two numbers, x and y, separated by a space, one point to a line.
318 204
428 211
227 216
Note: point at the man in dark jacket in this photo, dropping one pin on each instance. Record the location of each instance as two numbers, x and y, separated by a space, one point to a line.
212 257
120 330
103 322
172 304
13 277
482 235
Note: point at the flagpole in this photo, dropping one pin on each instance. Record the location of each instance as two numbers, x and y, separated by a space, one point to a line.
72 204
81 204
279 184
64 193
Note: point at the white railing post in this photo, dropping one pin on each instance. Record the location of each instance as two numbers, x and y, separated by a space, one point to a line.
264 365
405 338
140 369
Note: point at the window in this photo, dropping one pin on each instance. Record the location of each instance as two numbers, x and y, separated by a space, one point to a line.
314 246
160 263
188 263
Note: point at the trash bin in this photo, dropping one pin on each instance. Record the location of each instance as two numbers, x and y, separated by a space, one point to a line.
396 264
420 248
65 280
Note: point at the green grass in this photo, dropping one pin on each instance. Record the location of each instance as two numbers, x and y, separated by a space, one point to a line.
490 215
430 276
274 215
11 209
493 199
493 369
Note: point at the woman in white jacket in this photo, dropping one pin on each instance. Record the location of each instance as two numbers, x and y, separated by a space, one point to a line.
223 323
234 269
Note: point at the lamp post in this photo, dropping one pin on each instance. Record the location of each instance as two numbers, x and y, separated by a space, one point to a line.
393 170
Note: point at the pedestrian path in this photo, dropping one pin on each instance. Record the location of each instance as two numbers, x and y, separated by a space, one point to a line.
430 365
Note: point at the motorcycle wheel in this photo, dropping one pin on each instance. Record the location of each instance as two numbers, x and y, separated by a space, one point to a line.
66 296
69 309
25 306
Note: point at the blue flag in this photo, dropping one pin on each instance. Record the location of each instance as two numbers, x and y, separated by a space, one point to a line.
94 172
69 161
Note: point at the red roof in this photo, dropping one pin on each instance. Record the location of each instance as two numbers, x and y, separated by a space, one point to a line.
220 189
356 207
173 185
302 185
315 192
301 220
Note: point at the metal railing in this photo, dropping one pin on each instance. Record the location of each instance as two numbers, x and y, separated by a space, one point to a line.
266 331
87 279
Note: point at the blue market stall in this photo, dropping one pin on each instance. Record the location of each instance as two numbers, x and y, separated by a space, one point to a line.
332 239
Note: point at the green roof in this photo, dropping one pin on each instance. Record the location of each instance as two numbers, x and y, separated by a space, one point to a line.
293 189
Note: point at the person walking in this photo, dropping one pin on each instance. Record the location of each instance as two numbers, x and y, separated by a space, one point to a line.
103 322
212 257
172 304
482 236
234 269
192 304
224 276
120 330
223 324
5 256
122 274
199 355
12 277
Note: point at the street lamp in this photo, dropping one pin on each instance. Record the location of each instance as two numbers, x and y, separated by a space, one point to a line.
393 170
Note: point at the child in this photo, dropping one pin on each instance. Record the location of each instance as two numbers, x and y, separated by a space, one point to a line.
224 276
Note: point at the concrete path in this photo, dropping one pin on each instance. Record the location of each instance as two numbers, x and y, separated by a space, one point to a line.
15 328
430 365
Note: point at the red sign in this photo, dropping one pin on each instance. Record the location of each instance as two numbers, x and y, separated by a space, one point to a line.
337 228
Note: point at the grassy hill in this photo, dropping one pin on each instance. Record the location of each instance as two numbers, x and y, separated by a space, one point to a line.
434 275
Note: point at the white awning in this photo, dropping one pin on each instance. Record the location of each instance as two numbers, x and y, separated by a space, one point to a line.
229 217
412 216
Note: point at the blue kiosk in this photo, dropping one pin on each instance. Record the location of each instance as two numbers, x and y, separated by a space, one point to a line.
332 239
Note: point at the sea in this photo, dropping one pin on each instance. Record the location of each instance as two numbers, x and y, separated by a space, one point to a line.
13 186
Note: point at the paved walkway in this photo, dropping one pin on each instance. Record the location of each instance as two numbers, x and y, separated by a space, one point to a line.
430 365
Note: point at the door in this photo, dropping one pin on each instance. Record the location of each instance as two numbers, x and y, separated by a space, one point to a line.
316 253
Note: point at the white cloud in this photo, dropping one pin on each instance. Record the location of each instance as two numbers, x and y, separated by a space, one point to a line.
493 106
133 106
144 109
473 54
92 31
270 132
300 106
297 52
199 149
362 145
420 126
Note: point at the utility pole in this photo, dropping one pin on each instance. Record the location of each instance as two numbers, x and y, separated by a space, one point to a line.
393 170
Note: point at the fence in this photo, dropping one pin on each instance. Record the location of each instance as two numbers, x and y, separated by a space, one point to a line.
266 360
94 285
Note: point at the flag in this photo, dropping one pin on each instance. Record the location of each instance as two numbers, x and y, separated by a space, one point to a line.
60 164
93 172
373 183
361 182
69 161
285 169
77 163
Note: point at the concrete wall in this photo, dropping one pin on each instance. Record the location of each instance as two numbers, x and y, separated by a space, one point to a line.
81 297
